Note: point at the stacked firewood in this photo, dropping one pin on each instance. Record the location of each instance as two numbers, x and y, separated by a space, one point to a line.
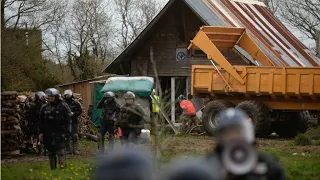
13 122
15 136
84 123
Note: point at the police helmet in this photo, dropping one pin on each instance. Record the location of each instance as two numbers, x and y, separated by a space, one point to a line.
68 92
129 95
126 164
39 95
181 97
109 94
236 118
52 92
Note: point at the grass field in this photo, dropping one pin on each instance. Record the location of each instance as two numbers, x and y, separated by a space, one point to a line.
300 162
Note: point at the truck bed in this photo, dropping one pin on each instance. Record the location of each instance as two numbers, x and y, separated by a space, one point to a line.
300 82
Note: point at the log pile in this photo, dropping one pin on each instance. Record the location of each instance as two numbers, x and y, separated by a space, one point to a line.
15 136
13 111
84 123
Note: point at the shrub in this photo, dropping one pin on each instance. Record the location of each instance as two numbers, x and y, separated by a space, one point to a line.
302 140
317 143
313 133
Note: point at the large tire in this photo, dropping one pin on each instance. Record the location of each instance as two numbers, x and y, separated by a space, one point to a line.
260 115
291 123
304 121
211 114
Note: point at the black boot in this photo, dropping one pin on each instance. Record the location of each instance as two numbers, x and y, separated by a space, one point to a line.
68 148
62 158
111 142
100 143
75 144
53 160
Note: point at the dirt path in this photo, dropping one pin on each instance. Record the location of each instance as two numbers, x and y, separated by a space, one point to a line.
42 158
87 150
170 145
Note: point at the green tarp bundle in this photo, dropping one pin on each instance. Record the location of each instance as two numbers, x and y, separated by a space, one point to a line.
142 86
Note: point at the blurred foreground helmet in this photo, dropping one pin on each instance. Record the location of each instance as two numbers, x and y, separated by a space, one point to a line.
129 95
52 92
234 123
235 137
181 97
189 170
39 95
68 92
126 164
109 94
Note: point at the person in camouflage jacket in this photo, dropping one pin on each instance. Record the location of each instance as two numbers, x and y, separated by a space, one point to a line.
110 108
130 119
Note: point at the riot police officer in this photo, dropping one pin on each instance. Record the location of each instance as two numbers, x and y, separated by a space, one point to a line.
130 119
33 116
110 108
55 124
235 156
76 111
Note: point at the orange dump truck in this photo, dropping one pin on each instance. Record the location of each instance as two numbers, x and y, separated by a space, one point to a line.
277 99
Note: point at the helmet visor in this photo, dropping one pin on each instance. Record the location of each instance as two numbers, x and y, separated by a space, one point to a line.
234 133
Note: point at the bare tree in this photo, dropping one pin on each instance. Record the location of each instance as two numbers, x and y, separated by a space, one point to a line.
33 13
134 15
85 37
303 15
273 5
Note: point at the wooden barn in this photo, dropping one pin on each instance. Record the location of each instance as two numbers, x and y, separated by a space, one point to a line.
161 48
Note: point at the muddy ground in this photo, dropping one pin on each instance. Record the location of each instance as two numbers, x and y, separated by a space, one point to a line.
299 162
171 146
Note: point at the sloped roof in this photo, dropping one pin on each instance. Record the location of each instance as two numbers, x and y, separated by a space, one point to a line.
275 40
89 80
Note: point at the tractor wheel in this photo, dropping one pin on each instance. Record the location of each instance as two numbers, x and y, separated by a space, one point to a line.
259 115
291 123
211 114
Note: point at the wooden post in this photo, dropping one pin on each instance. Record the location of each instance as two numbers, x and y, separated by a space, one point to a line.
156 77
173 99
156 88
155 125
187 87
164 115
2 15
318 44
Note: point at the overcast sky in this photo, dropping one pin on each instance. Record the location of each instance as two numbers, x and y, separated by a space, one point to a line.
305 40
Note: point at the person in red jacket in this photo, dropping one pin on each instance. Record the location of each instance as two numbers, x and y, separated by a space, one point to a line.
189 117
